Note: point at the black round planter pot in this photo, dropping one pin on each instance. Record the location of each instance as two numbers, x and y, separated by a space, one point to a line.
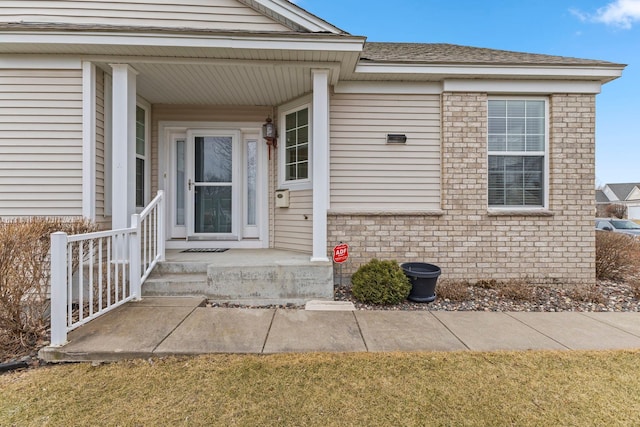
423 278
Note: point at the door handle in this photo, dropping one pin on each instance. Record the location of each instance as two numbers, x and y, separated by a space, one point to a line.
189 183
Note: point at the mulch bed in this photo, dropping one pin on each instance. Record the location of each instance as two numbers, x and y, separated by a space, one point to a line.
605 296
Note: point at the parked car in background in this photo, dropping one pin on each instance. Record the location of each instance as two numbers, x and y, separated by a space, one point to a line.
618 225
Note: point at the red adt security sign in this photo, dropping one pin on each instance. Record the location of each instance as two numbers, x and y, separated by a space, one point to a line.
341 253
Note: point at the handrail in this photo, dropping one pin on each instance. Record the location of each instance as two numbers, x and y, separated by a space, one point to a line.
93 273
155 202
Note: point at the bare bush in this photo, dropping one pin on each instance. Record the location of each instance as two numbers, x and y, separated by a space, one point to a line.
453 290
616 210
25 277
617 255
516 290
634 284
591 293
487 284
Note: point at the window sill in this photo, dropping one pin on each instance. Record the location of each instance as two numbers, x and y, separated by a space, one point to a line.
519 212
430 212
296 186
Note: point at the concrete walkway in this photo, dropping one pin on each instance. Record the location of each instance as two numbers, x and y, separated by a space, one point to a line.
163 326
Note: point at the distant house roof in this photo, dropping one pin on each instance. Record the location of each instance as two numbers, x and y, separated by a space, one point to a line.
601 197
443 53
623 190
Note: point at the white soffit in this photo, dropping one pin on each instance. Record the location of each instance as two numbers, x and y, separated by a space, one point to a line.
223 83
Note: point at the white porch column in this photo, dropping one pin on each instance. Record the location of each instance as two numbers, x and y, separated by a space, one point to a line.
123 135
320 168
88 140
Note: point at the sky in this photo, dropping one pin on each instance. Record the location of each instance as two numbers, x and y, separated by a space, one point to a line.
607 30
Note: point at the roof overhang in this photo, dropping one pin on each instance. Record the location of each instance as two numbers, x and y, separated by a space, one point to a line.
438 72
199 67
81 41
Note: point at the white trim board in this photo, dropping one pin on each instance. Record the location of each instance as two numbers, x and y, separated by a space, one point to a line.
89 140
270 42
545 87
521 71
294 14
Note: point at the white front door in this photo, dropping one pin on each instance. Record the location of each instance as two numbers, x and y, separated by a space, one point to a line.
216 185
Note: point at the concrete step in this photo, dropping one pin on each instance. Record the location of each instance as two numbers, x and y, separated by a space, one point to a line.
263 283
175 284
270 284
171 267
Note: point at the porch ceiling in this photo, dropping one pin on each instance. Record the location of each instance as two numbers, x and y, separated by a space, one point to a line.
222 83
203 68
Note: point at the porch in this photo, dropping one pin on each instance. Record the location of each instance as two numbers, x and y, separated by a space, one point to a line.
242 276
95 273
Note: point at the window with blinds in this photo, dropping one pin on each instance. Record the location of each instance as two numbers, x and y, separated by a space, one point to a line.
517 141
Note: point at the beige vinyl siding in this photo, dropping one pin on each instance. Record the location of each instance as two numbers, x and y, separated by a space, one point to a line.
198 14
40 142
294 225
101 218
367 174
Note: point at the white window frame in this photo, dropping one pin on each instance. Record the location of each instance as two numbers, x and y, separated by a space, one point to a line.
140 103
544 153
292 107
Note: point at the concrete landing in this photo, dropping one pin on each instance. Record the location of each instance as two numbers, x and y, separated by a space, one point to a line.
244 276
166 326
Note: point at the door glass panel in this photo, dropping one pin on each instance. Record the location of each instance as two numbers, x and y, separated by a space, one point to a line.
251 182
139 182
180 181
212 209
140 131
213 189
213 158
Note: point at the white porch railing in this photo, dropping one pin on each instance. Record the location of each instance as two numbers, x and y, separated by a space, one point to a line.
94 273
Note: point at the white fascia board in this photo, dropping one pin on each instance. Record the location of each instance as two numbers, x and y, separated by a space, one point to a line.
609 193
634 194
297 15
250 63
522 86
39 62
593 72
389 87
339 44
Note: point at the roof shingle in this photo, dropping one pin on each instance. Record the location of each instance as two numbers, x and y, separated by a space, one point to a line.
444 53
623 190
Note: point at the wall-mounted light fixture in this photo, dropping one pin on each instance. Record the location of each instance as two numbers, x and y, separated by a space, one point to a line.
396 138
270 133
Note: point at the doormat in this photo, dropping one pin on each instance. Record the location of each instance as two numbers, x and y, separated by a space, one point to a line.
209 250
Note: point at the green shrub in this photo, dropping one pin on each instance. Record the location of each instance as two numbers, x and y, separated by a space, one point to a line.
25 277
380 282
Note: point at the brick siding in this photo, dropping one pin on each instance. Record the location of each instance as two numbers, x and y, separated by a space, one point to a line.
466 240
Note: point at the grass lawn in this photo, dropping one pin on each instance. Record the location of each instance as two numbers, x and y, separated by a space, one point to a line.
361 389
